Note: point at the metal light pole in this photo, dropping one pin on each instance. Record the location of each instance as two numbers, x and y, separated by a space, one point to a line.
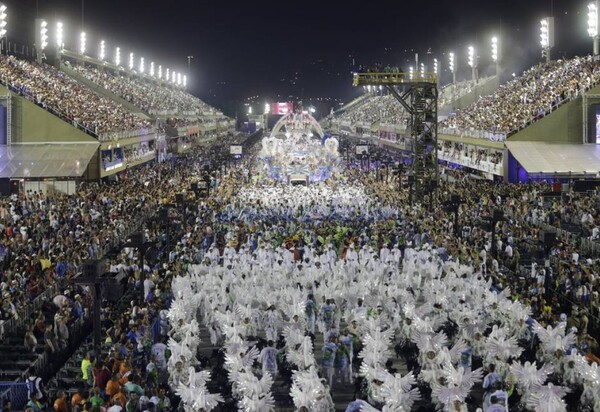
3 24
472 60
189 58
593 25
547 37
496 54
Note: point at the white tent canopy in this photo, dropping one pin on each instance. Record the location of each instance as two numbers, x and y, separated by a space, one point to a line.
41 160
556 158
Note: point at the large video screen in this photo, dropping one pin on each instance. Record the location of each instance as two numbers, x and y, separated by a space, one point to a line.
597 123
282 108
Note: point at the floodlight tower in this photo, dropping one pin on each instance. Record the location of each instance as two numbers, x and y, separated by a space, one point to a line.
142 65
452 67
159 72
151 69
118 56
59 38
102 53
131 62
547 37
41 38
411 73
82 43
496 54
422 70
472 61
593 25
3 24
185 81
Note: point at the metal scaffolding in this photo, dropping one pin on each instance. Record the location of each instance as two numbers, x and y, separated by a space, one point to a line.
418 94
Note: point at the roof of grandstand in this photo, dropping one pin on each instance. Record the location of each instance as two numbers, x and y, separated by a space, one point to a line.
46 160
556 158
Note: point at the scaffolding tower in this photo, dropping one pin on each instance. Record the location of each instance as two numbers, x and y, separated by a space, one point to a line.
418 94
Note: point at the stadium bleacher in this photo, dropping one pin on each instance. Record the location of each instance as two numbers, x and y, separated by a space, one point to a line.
525 99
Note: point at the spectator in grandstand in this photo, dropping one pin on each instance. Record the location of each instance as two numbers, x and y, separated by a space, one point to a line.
35 387
60 403
56 92
528 97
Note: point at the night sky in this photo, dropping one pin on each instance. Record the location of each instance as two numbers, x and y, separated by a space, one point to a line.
274 50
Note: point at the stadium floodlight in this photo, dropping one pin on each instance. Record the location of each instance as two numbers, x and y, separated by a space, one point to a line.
547 36
496 54
184 81
82 42
472 61
59 37
160 72
102 50
471 56
451 62
43 34
593 25
167 78
411 72
179 79
435 67
142 68
152 69
173 77
41 39
422 70
3 22
118 56
267 108
495 49
131 63
249 109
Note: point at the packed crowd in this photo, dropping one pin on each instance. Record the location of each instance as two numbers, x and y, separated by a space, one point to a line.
277 263
377 108
528 97
329 268
476 155
46 239
133 352
152 98
63 96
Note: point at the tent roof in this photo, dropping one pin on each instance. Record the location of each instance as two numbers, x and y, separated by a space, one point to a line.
556 158
42 160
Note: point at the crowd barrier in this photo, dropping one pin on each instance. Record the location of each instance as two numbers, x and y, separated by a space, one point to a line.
16 393
27 312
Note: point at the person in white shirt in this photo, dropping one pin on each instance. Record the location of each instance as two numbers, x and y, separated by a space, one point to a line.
148 286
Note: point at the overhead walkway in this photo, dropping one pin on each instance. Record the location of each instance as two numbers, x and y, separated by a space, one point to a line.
393 79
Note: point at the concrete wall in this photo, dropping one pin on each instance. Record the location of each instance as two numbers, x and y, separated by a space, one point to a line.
564 125
31 123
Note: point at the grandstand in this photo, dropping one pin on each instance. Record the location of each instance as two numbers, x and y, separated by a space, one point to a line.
113 119
103 230
544 107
